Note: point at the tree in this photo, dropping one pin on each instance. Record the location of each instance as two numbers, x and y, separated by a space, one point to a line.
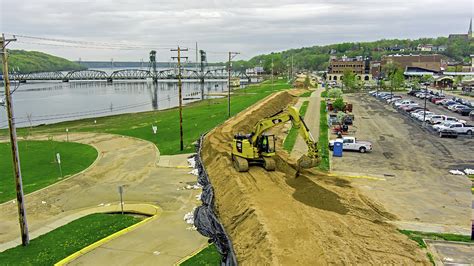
339 104
307 82
397 79
349 79
335 93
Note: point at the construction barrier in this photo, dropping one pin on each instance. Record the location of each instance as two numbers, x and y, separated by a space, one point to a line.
205 219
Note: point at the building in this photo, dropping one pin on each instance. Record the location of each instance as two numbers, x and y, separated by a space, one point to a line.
424 47
431 63
357 65
467 36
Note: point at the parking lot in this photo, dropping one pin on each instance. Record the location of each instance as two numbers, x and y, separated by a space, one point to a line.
411 168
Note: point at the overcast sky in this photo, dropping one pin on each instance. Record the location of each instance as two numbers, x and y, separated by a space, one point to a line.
250 27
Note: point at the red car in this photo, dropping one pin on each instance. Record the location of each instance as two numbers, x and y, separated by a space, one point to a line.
435 100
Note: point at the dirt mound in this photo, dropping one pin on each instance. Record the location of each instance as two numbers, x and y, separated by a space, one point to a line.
275 218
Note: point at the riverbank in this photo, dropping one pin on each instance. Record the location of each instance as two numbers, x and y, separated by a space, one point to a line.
198 118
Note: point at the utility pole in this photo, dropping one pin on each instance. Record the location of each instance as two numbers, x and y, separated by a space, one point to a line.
229 69
197 60
180 87
292 67
272 73
25 239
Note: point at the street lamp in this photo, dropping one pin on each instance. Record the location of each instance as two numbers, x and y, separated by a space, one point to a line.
424 110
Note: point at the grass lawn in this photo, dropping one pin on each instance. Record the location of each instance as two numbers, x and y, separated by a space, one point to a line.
198 118
323 143
66 240
208 256
38 164
419 236
290 139
306 94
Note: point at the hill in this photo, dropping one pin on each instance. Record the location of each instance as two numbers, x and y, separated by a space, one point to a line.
33 61
317 57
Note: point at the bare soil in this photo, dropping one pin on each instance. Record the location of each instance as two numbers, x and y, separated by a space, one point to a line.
275 218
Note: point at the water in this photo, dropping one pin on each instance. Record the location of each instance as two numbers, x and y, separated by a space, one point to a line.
52 102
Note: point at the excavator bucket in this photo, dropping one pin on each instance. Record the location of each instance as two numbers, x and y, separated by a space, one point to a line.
307 162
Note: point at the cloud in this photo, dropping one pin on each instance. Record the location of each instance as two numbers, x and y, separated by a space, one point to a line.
251 27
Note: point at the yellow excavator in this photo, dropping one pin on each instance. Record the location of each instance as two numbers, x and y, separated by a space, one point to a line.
258 148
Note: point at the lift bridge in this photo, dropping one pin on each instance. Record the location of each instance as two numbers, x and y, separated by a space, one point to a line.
130 74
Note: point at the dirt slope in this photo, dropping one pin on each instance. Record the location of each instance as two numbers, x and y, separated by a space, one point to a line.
274 218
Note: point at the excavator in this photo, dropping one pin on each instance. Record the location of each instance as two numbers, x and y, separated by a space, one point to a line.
258 148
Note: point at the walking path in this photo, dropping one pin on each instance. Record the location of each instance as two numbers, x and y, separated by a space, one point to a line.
312 121
131 163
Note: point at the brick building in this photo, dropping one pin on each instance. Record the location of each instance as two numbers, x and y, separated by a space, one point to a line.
358 66
433 63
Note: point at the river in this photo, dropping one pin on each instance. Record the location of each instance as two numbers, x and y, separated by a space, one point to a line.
38 103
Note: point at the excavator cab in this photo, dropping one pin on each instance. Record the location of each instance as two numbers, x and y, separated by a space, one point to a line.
266 144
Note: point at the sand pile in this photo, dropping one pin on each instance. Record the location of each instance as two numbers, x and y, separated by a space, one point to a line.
274 218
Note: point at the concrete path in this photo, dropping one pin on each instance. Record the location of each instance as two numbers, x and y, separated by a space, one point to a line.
312 121
122 161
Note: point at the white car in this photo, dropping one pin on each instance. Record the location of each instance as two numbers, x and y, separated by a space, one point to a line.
457 127
427 117
422 114
404 102
445 118
452 107
394 98
443 125
352 144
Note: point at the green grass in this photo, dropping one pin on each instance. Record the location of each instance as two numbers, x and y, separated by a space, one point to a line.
419 236
323 143
66 240
198 118
38 166
208 256
290 139
306 94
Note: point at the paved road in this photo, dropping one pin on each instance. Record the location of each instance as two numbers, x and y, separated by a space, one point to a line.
312 121
132 163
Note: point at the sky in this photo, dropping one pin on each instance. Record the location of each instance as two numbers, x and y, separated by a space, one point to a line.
249 27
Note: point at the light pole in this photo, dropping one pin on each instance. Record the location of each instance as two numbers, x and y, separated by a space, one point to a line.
424 110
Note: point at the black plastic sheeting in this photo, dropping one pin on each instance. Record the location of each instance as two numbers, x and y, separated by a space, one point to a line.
205 219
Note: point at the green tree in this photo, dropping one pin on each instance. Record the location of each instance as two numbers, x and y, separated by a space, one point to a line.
349 79
335 93
397 79
339 104
307 82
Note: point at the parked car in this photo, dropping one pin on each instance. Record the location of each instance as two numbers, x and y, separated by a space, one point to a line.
437 100
394 98
460 128
419 115
471 115
453 107
464 111
427 117
404 102
352 144
441 125
409 107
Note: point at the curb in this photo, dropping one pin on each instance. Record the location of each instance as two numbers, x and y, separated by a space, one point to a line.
194 253
104 240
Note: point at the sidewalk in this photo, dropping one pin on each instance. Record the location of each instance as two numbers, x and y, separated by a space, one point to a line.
312 121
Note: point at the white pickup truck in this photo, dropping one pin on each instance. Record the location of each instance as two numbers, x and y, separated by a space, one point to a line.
459 128
351 144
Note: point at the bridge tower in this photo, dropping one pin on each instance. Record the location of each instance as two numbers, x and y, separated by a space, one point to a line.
153 65
203 60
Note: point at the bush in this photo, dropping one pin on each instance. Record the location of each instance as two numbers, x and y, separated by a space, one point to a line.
339 104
